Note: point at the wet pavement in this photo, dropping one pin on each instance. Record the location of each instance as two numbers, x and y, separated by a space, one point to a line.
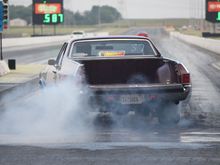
156 144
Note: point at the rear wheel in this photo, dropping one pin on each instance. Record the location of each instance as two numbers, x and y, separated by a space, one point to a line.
142 110
169 114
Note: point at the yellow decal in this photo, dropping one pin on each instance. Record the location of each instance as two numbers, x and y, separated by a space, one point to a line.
111 53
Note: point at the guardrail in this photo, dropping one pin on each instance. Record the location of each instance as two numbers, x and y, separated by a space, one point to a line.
28 41
47 40
209 44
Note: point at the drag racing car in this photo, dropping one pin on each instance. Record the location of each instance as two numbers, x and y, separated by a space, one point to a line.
78 34
124 73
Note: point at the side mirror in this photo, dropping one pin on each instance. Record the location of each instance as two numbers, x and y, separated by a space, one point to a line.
51 62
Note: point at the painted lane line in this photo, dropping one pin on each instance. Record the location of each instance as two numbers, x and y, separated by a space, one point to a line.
216 66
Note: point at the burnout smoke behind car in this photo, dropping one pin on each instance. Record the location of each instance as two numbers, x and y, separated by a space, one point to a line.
54 113
60 114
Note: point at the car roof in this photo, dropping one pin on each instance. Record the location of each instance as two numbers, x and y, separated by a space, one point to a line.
135 37
78 32
110 37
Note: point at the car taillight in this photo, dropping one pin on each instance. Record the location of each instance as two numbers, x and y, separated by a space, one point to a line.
185 78
143 34
110 98
183 74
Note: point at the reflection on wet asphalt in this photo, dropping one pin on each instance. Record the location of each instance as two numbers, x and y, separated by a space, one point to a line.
130 130
121 144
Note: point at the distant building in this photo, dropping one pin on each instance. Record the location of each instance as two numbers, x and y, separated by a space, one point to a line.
18 22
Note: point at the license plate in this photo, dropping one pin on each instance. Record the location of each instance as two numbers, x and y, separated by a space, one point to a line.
132 99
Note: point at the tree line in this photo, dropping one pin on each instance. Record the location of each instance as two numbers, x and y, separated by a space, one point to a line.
98 14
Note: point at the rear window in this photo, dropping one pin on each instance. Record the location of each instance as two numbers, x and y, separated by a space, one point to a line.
112 48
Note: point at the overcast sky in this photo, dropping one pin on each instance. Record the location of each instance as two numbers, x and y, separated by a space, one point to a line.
139 8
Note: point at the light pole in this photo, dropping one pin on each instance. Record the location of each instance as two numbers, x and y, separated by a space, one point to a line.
99 15
202 15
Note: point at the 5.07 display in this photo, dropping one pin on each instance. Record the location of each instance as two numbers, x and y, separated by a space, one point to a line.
213 11
47 12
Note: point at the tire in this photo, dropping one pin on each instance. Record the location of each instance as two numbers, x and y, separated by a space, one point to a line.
169 114
142 111
103 119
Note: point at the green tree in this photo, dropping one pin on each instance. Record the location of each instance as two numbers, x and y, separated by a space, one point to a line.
21 12
104 14
109 14
69 18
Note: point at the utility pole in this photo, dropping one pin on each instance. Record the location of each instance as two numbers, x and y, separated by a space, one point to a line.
99 15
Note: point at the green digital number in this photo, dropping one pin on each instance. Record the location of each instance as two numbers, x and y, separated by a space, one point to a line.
61 17
53 18
218 16
47 18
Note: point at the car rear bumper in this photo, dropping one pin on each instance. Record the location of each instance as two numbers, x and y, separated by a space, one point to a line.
169 92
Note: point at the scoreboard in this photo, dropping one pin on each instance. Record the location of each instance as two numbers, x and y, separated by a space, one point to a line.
48 12
213 11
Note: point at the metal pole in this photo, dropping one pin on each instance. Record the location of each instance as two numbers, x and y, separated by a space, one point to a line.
33 29
99 15
194 13
54 29
198 14
41 29
214 29
1 46
33 25
189 7
201 16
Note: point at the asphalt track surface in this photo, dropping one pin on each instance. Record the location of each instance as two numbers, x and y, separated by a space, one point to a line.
34 55
126 139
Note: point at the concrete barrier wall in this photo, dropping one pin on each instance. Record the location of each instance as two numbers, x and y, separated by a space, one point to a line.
47 40
3 68
21 43
209 44
27 41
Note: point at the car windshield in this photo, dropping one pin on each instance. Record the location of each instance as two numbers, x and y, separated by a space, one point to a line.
112 48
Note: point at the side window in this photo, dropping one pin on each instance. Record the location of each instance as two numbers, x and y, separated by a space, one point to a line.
148 50
61 54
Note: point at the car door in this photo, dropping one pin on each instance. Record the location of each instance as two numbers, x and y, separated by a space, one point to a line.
50 73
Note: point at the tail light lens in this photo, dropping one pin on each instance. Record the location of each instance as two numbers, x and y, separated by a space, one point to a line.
183 74
185 78
110 98
143 34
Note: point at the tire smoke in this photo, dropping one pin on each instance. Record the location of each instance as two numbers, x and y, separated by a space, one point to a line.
54 113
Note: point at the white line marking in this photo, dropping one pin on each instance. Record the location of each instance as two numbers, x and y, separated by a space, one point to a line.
216 66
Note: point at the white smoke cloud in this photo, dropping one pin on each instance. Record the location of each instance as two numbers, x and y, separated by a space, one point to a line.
57 112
